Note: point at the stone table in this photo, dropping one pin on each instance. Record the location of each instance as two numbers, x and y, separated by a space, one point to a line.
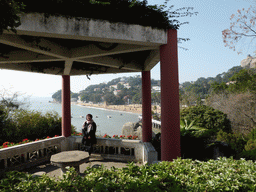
69 158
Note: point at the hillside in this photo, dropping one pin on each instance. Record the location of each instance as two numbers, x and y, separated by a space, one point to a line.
127 90
119 91
202 86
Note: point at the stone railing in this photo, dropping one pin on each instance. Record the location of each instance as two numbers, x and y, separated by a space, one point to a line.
30 154
116 149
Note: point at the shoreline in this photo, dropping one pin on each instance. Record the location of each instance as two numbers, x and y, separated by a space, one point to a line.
133 108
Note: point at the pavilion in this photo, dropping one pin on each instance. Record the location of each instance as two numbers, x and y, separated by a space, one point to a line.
71 46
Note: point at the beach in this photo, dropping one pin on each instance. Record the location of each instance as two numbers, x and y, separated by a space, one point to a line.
132 108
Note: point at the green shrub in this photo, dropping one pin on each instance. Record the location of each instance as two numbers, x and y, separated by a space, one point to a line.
206 117
179 175
21 124
250 145
252 134
248 155
236 141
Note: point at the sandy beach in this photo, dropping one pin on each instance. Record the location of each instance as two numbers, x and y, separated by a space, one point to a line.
133 108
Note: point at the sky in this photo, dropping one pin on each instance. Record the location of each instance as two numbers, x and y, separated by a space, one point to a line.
206 55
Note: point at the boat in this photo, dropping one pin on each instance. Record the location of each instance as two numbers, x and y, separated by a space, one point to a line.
82 116
96 116
109 116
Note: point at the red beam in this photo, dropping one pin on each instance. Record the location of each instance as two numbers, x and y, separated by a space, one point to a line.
66 106
170 113
146 107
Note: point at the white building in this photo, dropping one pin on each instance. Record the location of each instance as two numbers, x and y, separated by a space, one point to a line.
156 89
116 92
113 86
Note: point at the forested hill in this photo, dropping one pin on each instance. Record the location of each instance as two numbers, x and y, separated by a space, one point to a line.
202 86
124 90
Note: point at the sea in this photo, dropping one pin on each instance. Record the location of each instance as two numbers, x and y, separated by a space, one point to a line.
105 125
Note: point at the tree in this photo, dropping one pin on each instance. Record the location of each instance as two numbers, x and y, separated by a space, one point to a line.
9 10
242 29
156 98
11 100
240 108
245 80
242 81
57 96
206 117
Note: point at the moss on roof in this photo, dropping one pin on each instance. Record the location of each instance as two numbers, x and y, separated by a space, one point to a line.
126 11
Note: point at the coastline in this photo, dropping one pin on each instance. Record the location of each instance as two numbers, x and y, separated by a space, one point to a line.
133 108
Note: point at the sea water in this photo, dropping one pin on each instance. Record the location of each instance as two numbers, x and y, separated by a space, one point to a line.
105 125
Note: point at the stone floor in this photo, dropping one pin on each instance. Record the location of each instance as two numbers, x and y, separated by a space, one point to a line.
95 160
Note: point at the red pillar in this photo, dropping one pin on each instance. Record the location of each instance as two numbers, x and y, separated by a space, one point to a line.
66 111
146 107
170 112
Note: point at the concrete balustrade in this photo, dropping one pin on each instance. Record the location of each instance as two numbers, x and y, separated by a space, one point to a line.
34 153
30 154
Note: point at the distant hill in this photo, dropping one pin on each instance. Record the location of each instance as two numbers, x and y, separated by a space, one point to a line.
127 90
201 87
122 90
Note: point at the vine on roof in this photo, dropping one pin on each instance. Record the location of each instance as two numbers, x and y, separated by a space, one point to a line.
126 11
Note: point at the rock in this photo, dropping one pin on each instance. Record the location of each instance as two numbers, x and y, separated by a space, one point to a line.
249 62
128 128
134 129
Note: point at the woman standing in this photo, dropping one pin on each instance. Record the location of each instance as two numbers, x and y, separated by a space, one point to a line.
89 130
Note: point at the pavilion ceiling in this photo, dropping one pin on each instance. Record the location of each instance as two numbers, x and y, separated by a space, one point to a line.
59 54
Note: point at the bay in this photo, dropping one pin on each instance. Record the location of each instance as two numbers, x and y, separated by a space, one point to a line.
111 126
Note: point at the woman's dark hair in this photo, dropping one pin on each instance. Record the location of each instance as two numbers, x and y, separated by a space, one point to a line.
90 115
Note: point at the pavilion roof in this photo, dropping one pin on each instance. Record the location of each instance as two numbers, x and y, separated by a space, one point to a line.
60 45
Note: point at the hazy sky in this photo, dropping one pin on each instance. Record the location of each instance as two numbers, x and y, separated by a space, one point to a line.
206 56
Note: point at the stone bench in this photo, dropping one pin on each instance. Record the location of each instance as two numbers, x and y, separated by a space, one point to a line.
69 158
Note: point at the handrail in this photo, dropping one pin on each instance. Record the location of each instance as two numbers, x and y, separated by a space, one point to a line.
117 149
29 154
34 153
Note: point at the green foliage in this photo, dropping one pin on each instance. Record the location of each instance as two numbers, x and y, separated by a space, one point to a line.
250 145
242 81
218 87
111 99
221 175
9 19
58 96
202 87
21 124
138 12
178 175
235 141
245 81
156 97
103 92
189 128
248 154
206 117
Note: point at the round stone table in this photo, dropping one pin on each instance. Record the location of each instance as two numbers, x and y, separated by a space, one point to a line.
69 158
